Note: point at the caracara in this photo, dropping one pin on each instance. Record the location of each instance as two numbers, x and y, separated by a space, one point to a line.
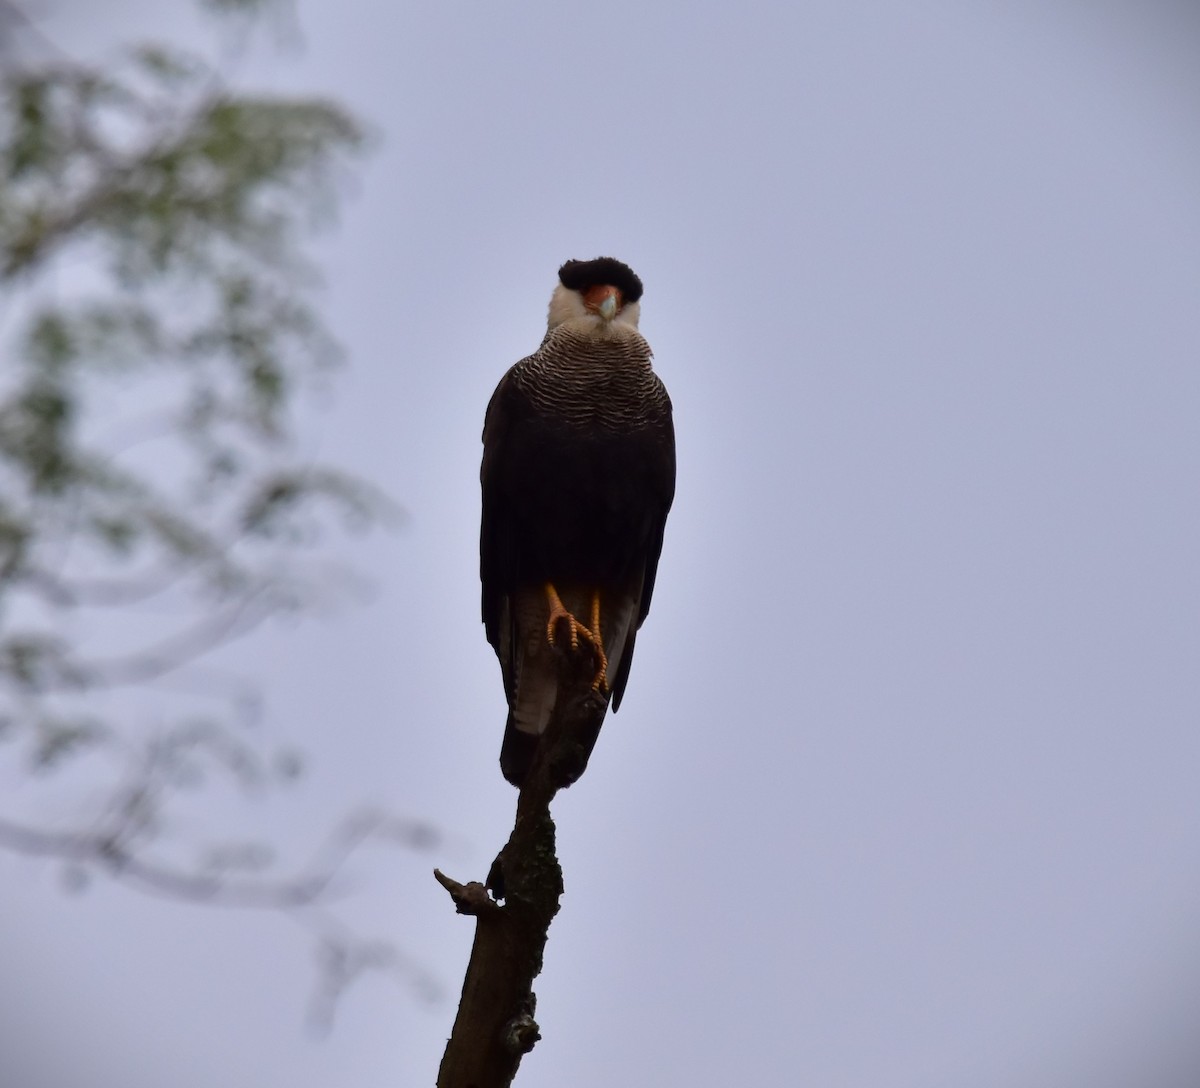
578 475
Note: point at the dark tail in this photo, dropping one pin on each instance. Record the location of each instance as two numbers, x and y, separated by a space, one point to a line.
571 760
516 753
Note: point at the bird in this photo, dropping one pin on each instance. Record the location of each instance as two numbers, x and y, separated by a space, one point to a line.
577 479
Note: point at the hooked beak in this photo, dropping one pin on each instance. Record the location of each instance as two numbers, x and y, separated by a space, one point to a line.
604 300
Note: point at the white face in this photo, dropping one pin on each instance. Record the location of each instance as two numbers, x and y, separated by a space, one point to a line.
569 308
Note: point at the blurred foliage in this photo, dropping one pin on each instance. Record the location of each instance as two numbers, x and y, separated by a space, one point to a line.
158 351
158 342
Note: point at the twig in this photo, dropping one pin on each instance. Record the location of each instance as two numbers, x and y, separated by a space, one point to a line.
343 955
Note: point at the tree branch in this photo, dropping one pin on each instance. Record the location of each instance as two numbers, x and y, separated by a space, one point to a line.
106 850
343 954
495 1026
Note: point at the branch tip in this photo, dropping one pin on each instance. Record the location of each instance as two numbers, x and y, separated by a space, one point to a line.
471 898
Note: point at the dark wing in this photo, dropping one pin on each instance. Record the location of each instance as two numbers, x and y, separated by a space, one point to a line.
646 465
497 535
495 564
661 487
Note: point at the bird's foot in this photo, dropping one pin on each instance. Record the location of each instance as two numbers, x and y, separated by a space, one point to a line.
575 630
600 681
579 632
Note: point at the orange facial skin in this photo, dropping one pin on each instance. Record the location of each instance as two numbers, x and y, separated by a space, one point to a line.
594 298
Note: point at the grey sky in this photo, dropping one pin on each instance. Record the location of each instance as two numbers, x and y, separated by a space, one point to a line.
903 792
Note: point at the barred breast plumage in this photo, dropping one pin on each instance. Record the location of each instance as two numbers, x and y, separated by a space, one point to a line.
588 382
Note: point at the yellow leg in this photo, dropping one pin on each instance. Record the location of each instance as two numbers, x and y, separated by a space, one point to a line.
600 683
558 611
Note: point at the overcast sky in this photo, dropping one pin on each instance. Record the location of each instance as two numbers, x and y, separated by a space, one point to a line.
904 788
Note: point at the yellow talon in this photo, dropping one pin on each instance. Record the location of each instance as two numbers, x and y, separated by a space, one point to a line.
600 683
558 611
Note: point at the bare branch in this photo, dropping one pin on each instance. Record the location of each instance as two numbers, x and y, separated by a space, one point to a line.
343 958
186 646
469 898
108 851
495 1025
343 955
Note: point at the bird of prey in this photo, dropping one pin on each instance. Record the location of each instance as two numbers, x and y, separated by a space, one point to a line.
578 475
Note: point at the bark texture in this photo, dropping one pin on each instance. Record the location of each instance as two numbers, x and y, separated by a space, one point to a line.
495 1026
